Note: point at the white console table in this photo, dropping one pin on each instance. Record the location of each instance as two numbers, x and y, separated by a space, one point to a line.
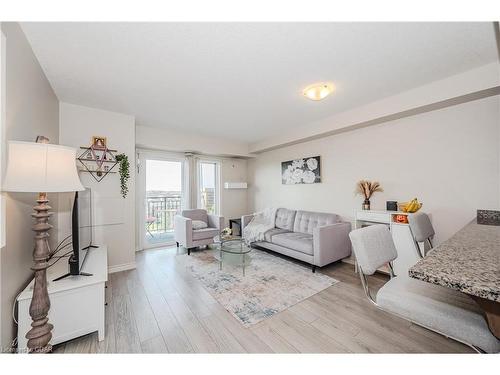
76 302
401 235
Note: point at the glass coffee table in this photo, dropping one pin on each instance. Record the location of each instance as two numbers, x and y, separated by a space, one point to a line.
233 250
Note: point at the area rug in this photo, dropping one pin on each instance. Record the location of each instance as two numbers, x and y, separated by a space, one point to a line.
271 283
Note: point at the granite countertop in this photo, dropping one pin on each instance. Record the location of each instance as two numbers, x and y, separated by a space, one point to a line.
469 262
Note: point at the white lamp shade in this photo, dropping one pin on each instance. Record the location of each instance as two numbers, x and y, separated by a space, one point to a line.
41 167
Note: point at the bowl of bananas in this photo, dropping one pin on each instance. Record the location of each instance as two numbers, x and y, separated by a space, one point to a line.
412 206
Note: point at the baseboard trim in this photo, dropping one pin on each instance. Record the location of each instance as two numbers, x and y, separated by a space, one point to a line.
122 267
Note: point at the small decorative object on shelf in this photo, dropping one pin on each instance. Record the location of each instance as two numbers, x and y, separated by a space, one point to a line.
99 143
226 232
124 173
488 217
402 219
366 189
391 205
97 159
412 206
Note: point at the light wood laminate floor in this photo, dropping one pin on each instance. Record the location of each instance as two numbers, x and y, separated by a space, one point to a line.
160 308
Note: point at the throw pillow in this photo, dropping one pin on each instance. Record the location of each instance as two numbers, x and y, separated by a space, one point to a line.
199 224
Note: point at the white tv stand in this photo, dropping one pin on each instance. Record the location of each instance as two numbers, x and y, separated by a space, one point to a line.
76 302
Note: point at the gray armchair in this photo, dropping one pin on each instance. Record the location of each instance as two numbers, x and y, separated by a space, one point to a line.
188 237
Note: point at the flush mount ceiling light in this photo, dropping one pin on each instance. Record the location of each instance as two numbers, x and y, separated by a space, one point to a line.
318 91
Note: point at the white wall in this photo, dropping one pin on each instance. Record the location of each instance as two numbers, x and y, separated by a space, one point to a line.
175 141
448 159
31 109
233 202
114 216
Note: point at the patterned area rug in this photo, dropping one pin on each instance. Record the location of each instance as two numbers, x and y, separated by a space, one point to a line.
271 284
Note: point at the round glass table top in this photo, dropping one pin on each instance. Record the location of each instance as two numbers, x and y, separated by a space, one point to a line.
234 245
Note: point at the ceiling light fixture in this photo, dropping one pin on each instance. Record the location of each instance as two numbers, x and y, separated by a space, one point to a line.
318 91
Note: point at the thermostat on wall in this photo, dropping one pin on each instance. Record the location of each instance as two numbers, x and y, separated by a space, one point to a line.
235 185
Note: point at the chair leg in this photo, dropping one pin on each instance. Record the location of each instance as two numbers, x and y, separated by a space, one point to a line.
148 229
189 251
313 268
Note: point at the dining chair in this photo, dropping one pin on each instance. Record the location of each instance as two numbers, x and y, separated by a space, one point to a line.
422 230
443 310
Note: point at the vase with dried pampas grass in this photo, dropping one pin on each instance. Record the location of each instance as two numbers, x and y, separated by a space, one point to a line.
366 189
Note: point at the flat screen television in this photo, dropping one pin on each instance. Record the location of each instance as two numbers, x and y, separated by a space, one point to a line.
81 233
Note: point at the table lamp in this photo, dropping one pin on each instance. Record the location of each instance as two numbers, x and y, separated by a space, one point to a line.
41 168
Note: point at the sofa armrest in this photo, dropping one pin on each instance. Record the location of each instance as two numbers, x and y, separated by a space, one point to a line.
183 230
215 221
245 219
331 243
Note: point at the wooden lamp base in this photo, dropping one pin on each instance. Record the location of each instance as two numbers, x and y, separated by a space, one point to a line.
40 334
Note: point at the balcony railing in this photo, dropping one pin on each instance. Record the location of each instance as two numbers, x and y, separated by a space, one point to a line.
160 212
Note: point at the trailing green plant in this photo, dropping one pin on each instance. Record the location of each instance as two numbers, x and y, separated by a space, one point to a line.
122 159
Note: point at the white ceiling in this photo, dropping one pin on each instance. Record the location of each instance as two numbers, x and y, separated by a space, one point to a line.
244 80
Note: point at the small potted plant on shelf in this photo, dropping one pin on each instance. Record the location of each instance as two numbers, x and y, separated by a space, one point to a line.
366 189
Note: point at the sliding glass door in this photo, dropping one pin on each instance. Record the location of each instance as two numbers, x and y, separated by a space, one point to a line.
169 183
162 198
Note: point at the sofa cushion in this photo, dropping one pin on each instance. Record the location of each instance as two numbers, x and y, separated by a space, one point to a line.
285 219
306 221
202 234
272 232
301 242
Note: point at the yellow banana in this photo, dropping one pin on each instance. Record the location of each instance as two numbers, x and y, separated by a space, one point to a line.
417 205
410 206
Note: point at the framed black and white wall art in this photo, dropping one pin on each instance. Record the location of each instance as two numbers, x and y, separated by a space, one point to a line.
301 171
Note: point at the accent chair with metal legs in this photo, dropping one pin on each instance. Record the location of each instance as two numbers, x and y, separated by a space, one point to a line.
443 310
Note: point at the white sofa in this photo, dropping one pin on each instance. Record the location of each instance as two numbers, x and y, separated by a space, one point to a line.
313 237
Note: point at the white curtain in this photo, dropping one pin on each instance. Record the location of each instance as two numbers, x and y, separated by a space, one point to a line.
191 181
